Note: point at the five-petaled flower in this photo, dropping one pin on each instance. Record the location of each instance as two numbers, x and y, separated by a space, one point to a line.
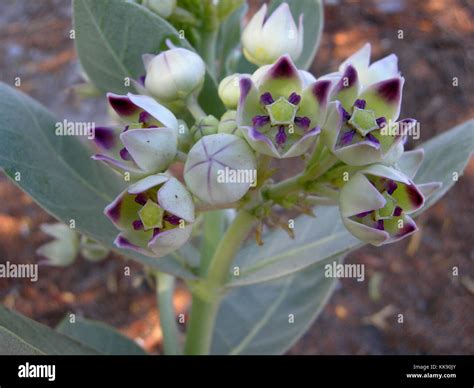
277 116
361 126
375 204
147 144
154 215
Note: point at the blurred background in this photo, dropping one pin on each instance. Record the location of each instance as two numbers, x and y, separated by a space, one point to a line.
413 277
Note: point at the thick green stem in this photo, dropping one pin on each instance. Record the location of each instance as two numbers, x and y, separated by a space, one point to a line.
208 292
164 290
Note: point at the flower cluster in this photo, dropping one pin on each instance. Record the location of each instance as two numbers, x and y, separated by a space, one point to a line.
345 125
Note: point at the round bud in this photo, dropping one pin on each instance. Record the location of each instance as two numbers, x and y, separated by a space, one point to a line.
220 169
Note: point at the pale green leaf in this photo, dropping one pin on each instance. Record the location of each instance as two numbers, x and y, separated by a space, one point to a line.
21 335
58 173
99 336
112 36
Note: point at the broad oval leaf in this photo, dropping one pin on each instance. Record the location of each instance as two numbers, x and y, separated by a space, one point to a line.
446 157
324 236
58 173
20 335
269 318
111 37
12 345
315 239
99 336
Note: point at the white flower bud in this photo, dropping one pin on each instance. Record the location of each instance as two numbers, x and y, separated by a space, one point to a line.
220 168
229 91
63 250
265 39
174 74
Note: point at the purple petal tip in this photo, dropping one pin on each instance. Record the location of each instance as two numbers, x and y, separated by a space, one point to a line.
283 68
390 90
245 86
321 91
122 104
104 137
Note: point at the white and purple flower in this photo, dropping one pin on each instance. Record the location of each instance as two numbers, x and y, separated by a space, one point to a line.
277 116
376 202
154 216
361 125
147 145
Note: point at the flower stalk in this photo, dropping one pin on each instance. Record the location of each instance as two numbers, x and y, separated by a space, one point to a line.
164 292
208 293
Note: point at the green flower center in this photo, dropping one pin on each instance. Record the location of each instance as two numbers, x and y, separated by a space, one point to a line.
151 215
281 112
363 121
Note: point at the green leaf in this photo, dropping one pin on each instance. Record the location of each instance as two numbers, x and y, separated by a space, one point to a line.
21 335
313 22
316 239
446 157
12 345
58 173
112 36
99 336
324 236
229 39
257 319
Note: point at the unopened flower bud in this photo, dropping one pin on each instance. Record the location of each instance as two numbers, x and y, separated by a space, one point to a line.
228 123
229 91
92 250
63 250
220 169
174 74
265 39
184 136
204 127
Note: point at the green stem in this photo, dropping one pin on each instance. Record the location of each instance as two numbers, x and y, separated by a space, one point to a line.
207 294
194 108
315 171
321 161
213 231
164 291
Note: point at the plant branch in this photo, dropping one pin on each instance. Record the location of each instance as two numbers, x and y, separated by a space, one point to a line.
194 107
164 291
207 292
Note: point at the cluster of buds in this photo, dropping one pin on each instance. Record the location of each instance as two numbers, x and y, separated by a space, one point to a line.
349 117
